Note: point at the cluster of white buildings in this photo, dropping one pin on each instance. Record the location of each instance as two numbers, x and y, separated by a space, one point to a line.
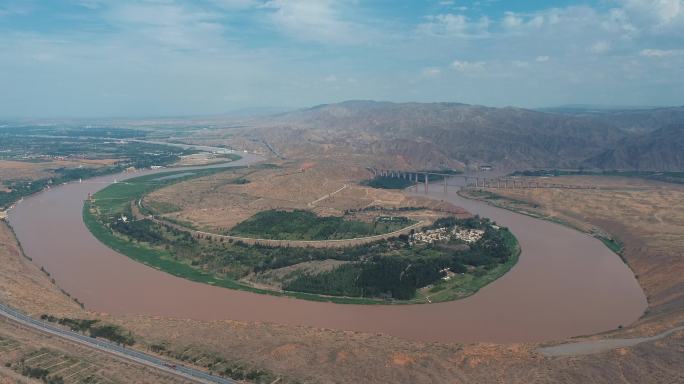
443 234
468 235
431 235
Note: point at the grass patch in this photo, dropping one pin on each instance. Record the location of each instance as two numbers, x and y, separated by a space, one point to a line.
386 182
488 195
161 207
111 332
306 225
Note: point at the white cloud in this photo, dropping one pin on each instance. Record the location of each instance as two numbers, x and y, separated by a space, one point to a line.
599 47
659 52
316 20
168 24
655 13
236 4
166 56
430 72
512 20
453 25
468 66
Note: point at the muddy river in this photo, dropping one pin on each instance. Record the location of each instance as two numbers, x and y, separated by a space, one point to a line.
565 284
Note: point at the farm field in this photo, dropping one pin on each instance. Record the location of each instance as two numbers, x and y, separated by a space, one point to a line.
35 158
27 357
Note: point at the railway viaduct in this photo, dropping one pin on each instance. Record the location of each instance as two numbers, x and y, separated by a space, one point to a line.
502 182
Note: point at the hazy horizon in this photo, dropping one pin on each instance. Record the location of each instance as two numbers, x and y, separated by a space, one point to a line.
271 110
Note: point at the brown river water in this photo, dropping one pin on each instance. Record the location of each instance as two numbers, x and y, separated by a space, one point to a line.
565 284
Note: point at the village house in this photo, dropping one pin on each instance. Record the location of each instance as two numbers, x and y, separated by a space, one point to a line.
443 234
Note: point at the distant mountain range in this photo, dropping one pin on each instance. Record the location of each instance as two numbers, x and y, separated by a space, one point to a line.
452 134
660 150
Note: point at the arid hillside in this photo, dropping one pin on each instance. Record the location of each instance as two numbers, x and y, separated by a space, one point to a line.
459 135
661 150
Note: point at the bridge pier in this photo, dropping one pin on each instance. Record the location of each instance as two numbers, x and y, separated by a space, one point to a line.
426 183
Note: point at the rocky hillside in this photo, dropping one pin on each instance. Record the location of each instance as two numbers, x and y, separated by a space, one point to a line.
661 150
452 134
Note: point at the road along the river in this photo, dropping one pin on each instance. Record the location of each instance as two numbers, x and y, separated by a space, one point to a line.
565 284
111 348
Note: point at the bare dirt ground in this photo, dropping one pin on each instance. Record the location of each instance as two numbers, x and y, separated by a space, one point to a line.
326 187
202 158
330 356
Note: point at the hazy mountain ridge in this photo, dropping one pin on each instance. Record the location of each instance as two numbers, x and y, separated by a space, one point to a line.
661 150
434 134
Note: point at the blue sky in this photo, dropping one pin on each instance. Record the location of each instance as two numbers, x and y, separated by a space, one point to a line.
86 58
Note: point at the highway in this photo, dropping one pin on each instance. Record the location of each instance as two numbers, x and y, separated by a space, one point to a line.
114 349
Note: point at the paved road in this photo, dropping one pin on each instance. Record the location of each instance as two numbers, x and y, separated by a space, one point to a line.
596 346
111 348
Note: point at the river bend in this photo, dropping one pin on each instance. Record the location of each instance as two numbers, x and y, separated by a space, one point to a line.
566 283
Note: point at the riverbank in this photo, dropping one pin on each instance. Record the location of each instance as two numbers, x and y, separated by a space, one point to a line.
524 208
640 220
